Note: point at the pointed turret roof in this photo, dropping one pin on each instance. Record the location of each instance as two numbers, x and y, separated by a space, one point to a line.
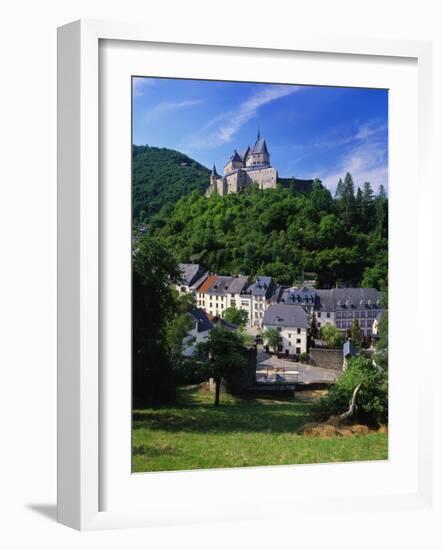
236 157
214 171
245 153
260 146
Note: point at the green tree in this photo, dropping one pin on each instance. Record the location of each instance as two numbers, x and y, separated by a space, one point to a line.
346 203
154 271
176 331
235 316
272 337
356 333
339 189
368 205
332 336
381 356
314 332
222 357
371 406
381 213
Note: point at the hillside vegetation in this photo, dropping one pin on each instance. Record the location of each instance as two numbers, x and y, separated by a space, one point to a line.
161 177
280 232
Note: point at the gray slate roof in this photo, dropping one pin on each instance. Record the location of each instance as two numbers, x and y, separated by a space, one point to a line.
203 322
260 146
298 296
238 284
236 157
221 286
263 286
282 315
341 299
191 273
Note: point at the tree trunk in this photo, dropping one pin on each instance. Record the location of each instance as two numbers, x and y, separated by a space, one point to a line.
217 391
350 411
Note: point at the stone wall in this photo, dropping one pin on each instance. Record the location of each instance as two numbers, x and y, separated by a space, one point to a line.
327 358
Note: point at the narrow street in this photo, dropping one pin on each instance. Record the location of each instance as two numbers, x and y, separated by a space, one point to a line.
271 369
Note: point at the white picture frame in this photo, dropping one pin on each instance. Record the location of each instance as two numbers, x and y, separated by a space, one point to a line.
81 413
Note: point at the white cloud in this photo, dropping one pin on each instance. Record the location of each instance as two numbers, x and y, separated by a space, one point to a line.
166 107
366 162
229 123
365 157
140 83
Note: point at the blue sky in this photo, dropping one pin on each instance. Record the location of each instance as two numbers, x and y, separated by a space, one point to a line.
311 131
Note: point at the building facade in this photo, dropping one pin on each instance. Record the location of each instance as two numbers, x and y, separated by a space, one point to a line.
199 332
340 306
292 323
192 277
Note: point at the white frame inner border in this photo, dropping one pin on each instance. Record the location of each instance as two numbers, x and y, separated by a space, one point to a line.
94 492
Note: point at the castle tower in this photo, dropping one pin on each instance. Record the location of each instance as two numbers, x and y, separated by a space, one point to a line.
234 163
213 179
259 154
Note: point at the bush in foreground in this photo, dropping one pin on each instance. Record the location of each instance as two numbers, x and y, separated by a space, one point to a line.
371 406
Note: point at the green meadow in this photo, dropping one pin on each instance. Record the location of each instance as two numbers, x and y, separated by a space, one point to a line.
193 434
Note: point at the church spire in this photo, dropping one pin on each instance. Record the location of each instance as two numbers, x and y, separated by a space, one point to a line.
258 134
214 170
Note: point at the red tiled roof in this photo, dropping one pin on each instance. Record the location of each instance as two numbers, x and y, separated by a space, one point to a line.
208 283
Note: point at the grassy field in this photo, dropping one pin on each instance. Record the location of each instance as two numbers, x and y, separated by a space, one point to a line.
193 434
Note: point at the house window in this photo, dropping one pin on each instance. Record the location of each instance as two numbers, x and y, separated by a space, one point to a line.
338 324
299 331
183 288
279 329
298 340
297 351
328 314
289 335
319 314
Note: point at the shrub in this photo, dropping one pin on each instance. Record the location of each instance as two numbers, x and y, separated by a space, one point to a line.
372 399
332 336
304 357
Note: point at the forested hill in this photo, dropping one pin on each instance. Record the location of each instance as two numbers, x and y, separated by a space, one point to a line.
279 232
161 177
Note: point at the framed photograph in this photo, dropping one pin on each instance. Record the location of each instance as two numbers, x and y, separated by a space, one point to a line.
235 225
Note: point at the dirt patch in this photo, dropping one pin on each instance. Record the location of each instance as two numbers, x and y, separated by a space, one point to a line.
309 395
329 430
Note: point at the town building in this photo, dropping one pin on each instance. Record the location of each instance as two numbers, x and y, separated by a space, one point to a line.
201 327
340 306
292 324
263 292
202 324
217 295
218 292
202 297
193 276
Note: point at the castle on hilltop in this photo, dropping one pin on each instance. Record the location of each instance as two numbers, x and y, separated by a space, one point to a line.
243 170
